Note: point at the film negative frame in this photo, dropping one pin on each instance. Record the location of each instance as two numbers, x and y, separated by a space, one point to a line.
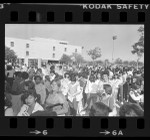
74 126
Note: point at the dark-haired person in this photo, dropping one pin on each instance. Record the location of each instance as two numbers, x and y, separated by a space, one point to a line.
16 83
91 91
73 90
52 75
56 101
10 74
99 109
131 110
31 103
40 88
65 84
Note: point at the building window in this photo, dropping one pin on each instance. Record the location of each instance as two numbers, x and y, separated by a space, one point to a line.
65 49
27 45
53 48
27 53
12 44
76 50
53 55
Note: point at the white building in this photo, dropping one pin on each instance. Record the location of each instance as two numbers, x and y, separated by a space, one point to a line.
40 49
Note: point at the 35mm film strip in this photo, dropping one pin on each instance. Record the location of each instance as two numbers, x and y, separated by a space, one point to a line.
74 69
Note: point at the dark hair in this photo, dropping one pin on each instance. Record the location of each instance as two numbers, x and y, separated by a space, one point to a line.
99 108
128 107
37 76
105 72
107 88
18 74
73 77
25 75
58 82
66 74
92 78
30 84
32 93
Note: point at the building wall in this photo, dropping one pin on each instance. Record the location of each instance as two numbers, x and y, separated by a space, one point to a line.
40 48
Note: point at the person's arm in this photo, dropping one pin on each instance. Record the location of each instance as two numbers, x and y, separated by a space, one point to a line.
136 98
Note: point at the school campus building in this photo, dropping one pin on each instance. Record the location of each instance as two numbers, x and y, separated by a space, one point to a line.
38 50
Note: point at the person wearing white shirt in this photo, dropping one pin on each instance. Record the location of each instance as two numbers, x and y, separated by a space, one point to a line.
31 105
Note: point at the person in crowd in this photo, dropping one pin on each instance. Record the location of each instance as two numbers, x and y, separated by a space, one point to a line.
73 90
10 74
52 75
107 97
131 110
91 90
56 101
65 84
40 88
31 103
47 84
16 83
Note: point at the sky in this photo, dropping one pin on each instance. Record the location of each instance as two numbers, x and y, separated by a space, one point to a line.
87 35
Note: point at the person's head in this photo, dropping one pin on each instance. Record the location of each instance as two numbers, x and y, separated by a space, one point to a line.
73 78
105 76
38 79
98 75
18 74
66 75
92 78
47 78
131 110
56 85
99 109
29 85
52 73
30 97
134 80
24 75
108 89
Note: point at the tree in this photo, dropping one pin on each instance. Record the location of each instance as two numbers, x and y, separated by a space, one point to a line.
126 62
77 58
65 59
95 53
118 61
132 63
10 55
138 47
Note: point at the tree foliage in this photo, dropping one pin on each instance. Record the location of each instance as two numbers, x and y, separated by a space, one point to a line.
138 47
118 61
95 53
77 58
65 59
10 55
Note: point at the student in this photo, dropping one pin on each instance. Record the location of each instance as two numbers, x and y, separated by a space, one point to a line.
107 97
56 101
16 83
65 84
31 103
40 88
131 110
91 90
73 91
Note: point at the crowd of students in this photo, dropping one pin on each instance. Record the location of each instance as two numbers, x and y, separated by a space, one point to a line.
74 90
